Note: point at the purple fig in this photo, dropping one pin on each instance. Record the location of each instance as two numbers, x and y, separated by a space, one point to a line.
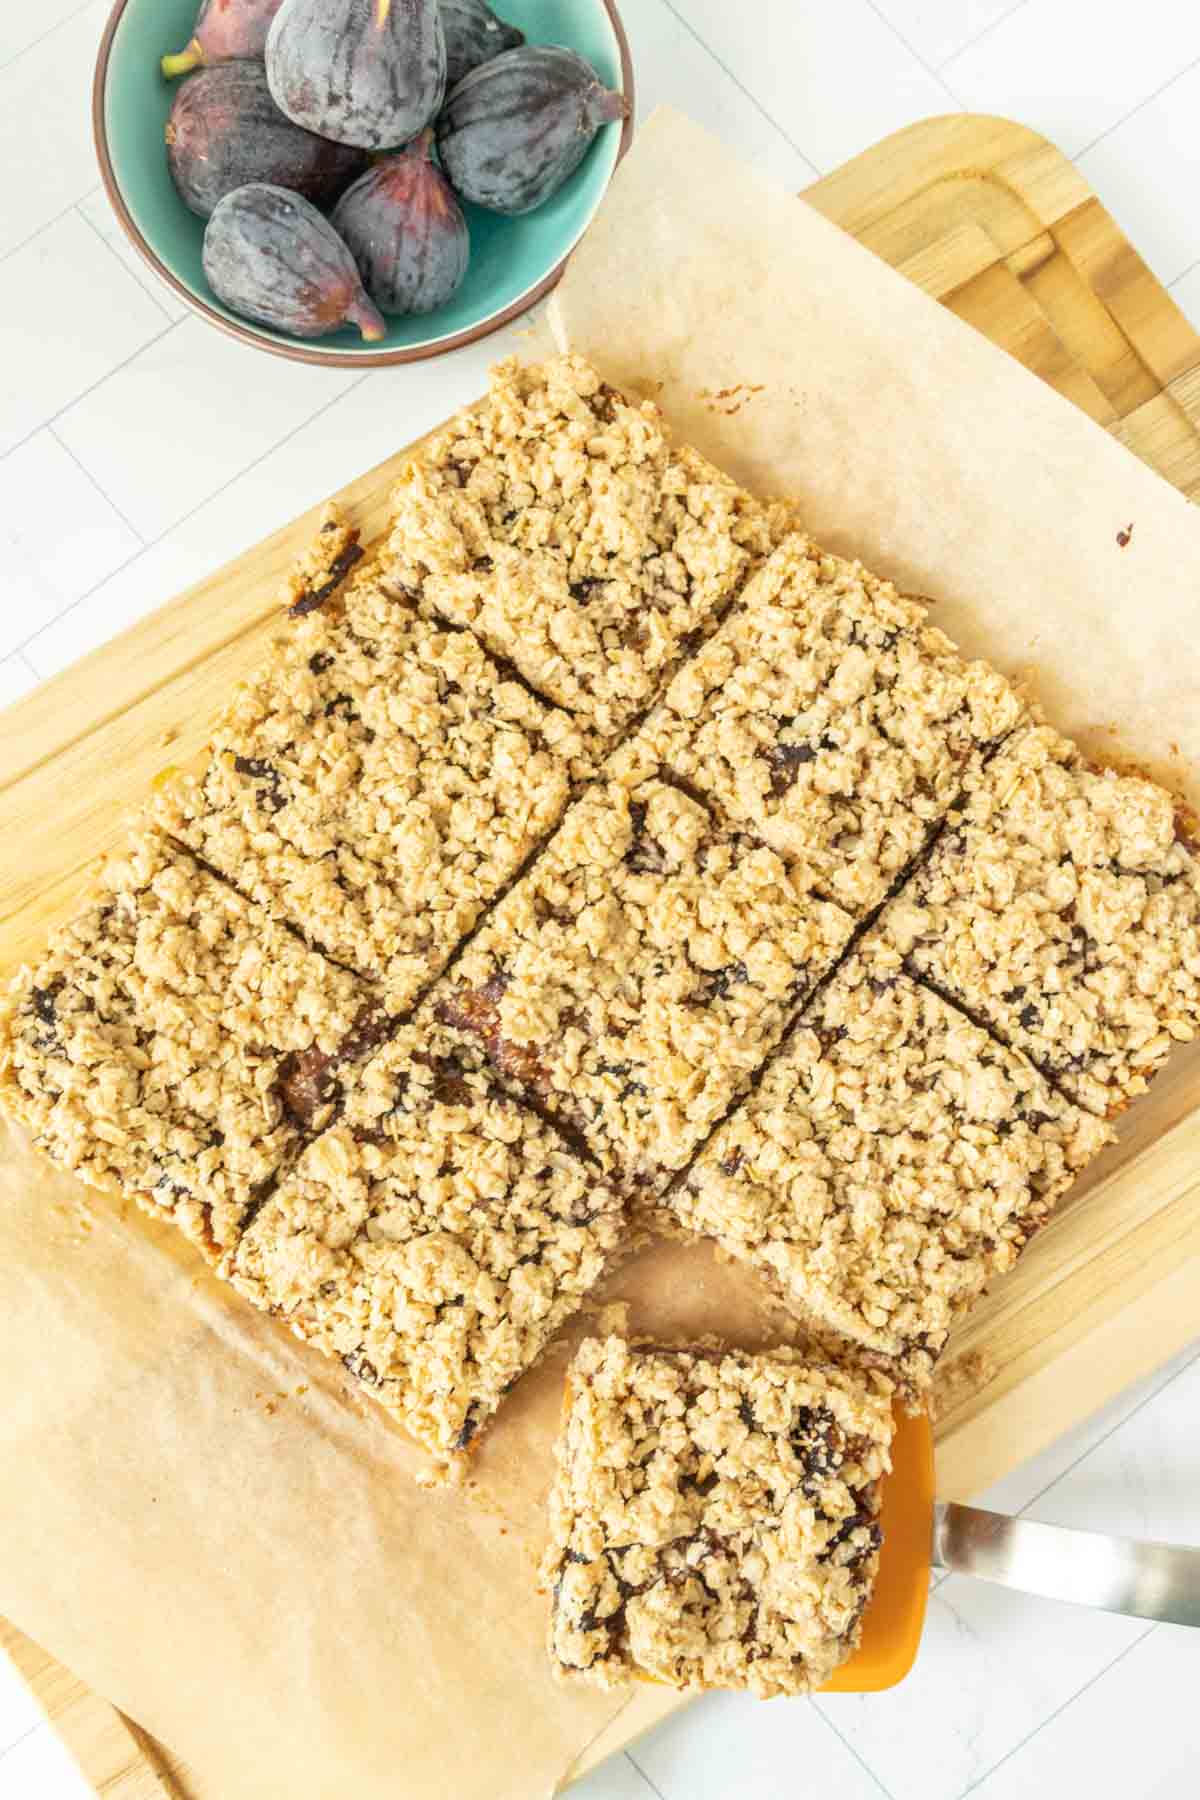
405 231
473 35
516 127
225 31
224 130
270 256
366 72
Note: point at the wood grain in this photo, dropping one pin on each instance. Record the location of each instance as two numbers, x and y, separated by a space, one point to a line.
120 1761
998 226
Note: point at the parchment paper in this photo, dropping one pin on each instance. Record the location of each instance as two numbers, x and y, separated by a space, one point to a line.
198 1515
804 365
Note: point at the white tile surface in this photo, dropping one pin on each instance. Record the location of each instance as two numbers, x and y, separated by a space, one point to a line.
201 447
939 29
39 1768
1141 1718
1186 294
1022 1488
619 1779
1161 217
19 1711
1142 1480
46 123
95 209
69 315
21 25
1072 71
799 59
729 1744
674 66
17 676
46 567
190 413
992 1666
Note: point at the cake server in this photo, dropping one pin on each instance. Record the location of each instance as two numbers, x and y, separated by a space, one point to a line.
1143 1579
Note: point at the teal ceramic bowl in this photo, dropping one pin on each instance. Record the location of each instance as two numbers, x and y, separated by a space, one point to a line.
514 262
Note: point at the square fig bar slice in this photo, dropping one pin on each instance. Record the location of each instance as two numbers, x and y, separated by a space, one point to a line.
434 1239
638 975
714 1517
376 795
177 1044
561 524
1062 907
829 717
892 1161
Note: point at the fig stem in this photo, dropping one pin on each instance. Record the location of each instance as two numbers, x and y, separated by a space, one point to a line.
184 62
609 106
368 318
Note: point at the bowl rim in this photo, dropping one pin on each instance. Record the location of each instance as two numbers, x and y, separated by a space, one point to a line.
301 351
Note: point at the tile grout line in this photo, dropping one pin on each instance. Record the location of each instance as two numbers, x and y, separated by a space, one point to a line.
26 644
652 1785
847 1745
1176 279
47 224
1078 155
90 389
28 1732
1111 1432
91 479
671 6
61 25
117 258
155 542
980 35
934 74
1058 1711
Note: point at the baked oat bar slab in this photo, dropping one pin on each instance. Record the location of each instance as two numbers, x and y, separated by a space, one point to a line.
376 795
176 1043
714 1517
561 524
434 1239
894 1159
641 971
1062 907
831 718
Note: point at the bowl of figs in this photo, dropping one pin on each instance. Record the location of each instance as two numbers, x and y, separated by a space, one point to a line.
360 181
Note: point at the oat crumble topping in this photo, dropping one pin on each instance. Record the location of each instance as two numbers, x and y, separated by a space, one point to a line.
641 971
376 795
828 716
323 565
1063 909
434 1239
176 1043
433 1215
714 1517
892 1162
561 524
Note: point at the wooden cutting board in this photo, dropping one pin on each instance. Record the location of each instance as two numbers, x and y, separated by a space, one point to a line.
997 225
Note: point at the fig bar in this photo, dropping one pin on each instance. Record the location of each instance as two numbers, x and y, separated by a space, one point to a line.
713 1518
434 1239
642 970
176 1043
830 718
893 1160
376 796
559 522
1062 907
